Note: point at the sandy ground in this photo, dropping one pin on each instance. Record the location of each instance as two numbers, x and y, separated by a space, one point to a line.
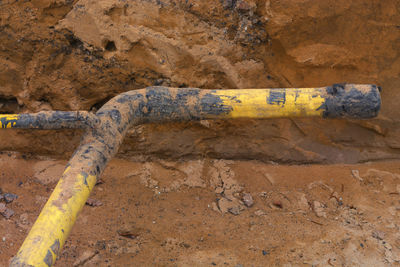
216 213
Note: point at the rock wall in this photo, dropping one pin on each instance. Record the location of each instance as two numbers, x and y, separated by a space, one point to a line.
75 55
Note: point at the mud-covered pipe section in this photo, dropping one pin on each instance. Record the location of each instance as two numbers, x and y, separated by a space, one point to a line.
166 104
352 101
48 120
159 104
107 128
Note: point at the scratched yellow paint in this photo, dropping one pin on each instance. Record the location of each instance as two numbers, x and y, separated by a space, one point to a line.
253 103
54 222
9 120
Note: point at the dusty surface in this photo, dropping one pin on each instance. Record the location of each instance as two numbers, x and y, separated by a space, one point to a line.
70 55
217 213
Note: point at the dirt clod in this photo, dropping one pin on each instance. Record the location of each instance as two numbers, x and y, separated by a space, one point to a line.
260 213
277 203
84 259
356 174
247 200
378 235
2 207
5 211
8 197
319 209
94 202
234 210
129 233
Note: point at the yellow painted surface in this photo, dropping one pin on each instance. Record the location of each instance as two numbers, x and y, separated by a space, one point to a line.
8 120
259 103
55 221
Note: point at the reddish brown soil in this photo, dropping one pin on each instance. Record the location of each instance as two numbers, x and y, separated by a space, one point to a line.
172 198
169 213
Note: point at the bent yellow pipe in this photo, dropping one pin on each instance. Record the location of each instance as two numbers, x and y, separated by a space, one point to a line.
106 130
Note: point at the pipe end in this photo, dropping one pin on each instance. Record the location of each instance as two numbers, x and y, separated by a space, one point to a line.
359 101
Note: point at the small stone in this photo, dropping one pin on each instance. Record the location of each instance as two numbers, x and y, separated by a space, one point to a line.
23 218
232 206
356 174
319 209
94 202
234 210
229 3
8 213
387 245
378 235
247 200
85 257
303 202
260 213
219 190
277 203
224 205
333 202
99 181
214 207
8 197
130 233
158 82
243 5
2 207
391 225
205 123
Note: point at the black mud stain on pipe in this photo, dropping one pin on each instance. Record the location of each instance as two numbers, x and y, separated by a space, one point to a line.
346 100
276 97
214 105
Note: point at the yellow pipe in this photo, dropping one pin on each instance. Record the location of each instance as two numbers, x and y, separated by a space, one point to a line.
271 103
48 235
49 120
108 128
8 120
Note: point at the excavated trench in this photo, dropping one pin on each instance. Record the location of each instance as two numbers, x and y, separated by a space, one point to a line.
210 192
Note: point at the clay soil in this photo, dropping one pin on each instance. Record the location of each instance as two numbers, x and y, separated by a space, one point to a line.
200 213
278 192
